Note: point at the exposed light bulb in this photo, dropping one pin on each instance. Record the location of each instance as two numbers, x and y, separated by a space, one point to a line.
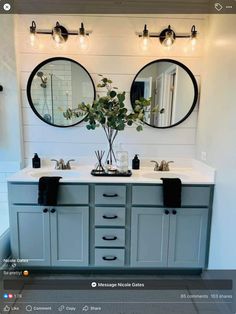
145 39
57 36
83 41
169 40
83 38
145 43
33 39
193 42
33 33
193 37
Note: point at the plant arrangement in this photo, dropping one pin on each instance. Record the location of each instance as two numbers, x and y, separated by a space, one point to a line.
110 113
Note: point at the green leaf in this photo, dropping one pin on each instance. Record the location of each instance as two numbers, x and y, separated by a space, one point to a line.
104 80
121 97
139 128
112 94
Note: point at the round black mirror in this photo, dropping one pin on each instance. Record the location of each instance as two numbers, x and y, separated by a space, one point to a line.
56 85
173 90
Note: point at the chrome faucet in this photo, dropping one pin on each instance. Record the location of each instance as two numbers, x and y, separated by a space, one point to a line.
164 165
60 164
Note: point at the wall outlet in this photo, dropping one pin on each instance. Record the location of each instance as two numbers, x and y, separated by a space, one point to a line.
203 156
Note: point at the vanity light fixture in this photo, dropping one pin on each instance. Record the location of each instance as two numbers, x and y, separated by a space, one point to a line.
145 40
83 37
167 36
60 34
193 36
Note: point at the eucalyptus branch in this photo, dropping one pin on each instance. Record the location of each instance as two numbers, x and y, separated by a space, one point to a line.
110 112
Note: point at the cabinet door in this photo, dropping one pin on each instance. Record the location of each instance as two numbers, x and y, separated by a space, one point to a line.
69 236
187 238
149 237
30 236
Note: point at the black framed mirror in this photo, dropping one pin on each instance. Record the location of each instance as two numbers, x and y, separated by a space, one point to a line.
173 90
57 84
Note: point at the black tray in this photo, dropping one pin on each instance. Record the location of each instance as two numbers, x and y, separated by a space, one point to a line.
113 174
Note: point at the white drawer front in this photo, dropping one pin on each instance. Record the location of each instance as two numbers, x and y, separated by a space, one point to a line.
109 237
110 257
110 216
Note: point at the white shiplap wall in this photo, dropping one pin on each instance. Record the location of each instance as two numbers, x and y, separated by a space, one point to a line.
114 51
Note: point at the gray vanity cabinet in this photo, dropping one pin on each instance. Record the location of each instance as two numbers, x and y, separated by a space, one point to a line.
170 237
149 237
30 234
69 236
174 238
187 238
105 225
46 235
55 236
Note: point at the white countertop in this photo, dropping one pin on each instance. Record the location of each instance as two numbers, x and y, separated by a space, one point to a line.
195 172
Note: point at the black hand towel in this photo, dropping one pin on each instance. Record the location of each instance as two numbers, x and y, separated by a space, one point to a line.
172 192
48 190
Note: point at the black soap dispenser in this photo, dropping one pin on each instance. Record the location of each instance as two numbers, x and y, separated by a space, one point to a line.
36 163
135 163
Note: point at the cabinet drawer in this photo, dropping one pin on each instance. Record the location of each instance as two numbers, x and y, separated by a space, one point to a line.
109 237
147 195
67 194
153 195
110 194
109 257
110 216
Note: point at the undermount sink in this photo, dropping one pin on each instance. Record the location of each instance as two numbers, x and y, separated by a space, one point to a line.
53 173
164 174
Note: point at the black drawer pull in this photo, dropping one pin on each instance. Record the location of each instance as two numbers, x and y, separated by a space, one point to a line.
53 211
109 258
110 195
167 212
45 210
109 238
174 212
110 217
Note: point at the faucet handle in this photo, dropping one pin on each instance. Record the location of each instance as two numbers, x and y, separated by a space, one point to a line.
167 165
57 163
68 164
156 168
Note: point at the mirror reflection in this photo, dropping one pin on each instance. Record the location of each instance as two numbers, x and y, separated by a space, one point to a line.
173 91
56 85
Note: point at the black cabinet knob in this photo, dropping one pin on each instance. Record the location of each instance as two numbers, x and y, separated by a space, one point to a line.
174 212
45 210
167 212
53 210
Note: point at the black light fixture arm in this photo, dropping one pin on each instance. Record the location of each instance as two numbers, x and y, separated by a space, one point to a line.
159 35
64 31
